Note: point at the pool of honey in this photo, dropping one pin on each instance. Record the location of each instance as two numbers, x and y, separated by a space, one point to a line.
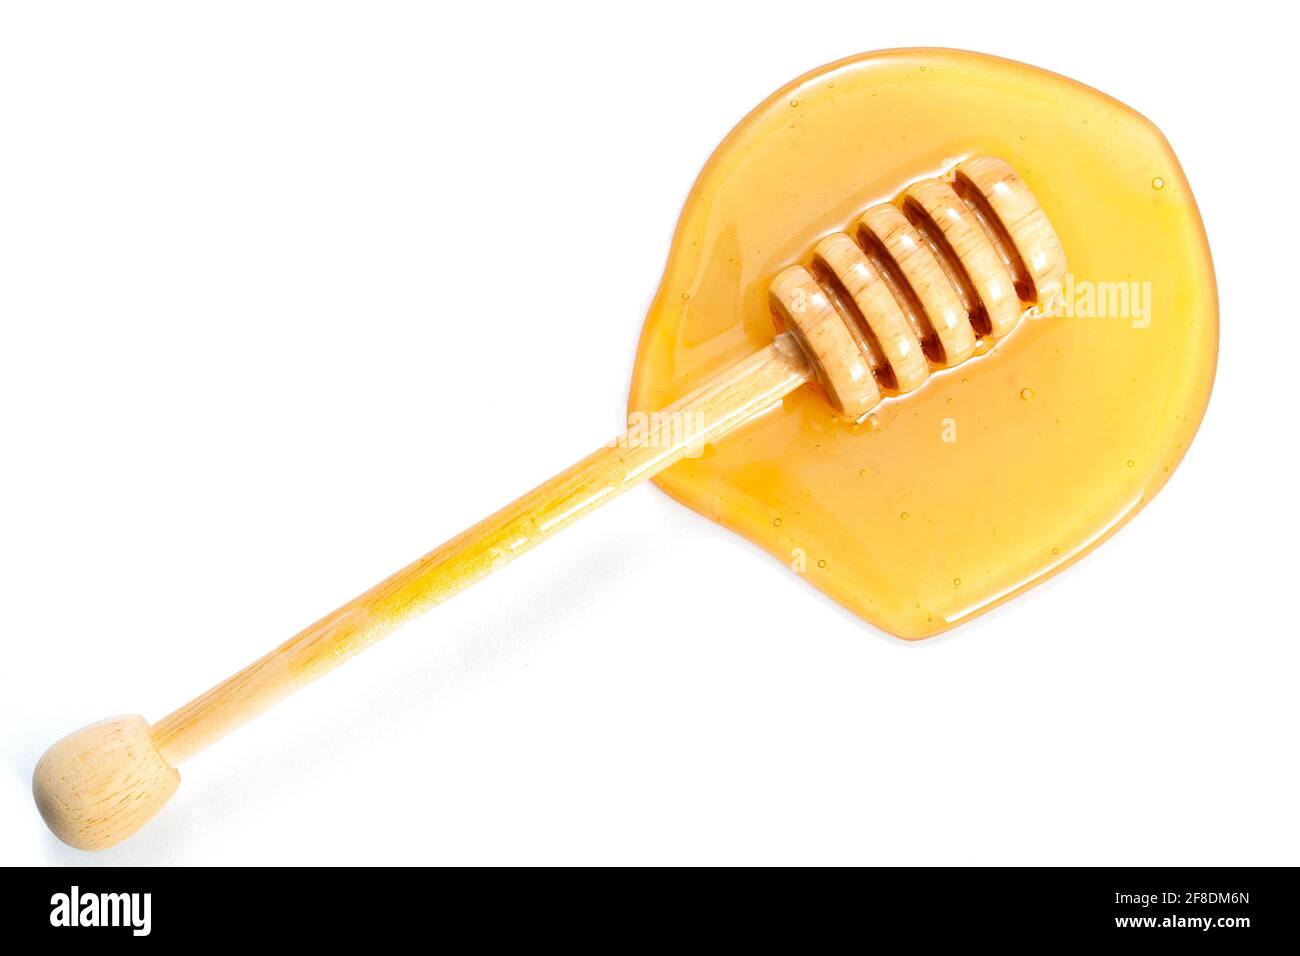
999 472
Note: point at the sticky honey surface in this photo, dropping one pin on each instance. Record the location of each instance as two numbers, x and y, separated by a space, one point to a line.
995 473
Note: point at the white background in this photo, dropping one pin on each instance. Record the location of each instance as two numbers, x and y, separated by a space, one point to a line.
277 285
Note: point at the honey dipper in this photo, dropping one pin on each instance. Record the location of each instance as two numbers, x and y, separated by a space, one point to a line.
909 288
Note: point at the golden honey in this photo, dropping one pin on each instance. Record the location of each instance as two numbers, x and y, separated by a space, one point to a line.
1006 468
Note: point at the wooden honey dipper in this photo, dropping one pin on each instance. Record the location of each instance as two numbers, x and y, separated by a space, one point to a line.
912 286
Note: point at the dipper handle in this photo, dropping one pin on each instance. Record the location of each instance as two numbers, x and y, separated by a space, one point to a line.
747 387
102 783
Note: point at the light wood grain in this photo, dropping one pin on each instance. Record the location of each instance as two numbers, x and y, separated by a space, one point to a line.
841 361
100 784
1035 251
923 289
892 334
978 265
